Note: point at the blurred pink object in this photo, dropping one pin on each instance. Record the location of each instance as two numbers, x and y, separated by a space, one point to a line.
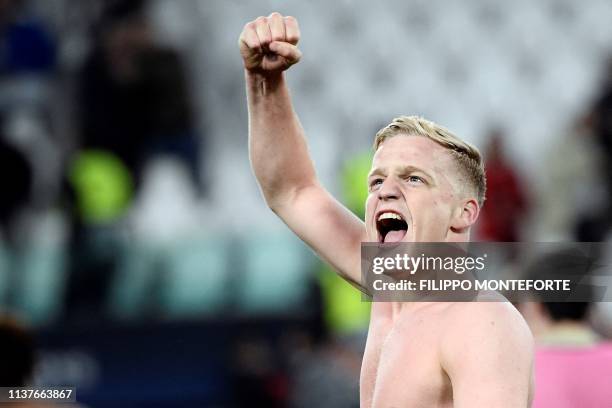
573 377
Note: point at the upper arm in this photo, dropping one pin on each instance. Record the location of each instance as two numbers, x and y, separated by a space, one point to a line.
328 227
488 356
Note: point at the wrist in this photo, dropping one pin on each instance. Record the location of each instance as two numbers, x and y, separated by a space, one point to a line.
264 83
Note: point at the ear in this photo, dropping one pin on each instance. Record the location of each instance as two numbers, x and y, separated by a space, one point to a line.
465 216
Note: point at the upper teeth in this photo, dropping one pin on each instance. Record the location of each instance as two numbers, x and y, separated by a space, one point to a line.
387 215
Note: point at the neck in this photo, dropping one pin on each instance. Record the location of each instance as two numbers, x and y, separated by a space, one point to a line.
398 308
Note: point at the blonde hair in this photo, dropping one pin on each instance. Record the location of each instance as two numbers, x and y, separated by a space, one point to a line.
467 156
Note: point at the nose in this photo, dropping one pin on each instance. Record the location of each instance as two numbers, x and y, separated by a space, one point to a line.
389 190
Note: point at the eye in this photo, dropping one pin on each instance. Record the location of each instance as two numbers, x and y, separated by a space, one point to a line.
375 183
415 179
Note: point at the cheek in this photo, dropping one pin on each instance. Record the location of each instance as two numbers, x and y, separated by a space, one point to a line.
370 206
439 208
370 201
440 216
430 212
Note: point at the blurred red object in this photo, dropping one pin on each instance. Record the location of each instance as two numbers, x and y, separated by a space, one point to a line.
506 202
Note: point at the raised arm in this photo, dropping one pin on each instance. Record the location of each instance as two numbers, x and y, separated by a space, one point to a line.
279 154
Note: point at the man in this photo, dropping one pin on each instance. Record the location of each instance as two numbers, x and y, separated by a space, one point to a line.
432 185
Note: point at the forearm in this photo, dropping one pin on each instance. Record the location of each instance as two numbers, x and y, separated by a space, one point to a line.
277 146
278 151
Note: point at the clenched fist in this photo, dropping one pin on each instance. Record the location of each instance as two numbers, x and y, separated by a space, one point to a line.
268 45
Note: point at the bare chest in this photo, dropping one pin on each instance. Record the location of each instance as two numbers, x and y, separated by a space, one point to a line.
401 365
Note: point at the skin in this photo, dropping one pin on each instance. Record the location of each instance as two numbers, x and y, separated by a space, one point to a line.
476 354
410 176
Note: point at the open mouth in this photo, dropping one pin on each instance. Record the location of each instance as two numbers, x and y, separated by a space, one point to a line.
391 227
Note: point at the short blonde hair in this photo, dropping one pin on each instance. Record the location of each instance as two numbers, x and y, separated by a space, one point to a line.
467 156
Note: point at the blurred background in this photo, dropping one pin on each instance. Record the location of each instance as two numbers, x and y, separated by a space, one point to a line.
135 248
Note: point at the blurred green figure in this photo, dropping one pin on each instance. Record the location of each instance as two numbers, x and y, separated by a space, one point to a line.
345 311
102 185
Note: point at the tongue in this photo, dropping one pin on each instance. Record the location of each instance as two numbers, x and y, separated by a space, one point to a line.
395 235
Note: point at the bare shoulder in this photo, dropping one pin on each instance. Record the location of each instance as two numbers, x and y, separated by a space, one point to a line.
492 333
487 351
486 322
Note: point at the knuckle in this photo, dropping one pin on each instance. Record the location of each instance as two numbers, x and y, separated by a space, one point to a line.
275 14
261 20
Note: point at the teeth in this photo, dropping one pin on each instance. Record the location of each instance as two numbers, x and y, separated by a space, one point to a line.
388 215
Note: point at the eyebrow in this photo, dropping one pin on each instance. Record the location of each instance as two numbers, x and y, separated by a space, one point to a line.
402 170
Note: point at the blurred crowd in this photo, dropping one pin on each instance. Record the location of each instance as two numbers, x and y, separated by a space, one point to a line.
113 215
124 107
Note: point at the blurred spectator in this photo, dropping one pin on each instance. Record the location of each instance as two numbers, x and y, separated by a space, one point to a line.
25 44
344 310
16 193
566 344
602 126
100 189
573 172
27 52
27 62
17 187
506 202
602 120
134 106
133 93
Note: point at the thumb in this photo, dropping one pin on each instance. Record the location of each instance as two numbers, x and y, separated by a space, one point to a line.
288 51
